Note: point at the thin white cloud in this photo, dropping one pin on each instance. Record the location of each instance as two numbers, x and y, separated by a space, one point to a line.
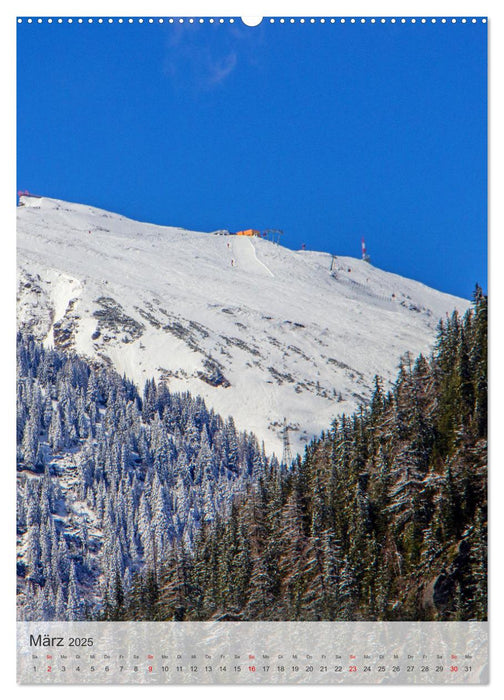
195 63
221 68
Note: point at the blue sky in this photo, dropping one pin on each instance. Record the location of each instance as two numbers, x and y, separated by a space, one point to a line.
330 132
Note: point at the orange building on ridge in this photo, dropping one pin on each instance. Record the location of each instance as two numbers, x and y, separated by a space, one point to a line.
248 232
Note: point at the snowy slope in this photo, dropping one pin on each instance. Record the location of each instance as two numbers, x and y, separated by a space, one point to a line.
260 331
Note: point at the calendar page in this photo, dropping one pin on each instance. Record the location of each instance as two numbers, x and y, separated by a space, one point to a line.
252 350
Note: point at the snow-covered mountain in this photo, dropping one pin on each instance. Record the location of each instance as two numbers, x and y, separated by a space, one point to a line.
262 332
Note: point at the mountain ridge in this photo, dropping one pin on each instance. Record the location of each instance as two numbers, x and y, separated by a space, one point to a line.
261 332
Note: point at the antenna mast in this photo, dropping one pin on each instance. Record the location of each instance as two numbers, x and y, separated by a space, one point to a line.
365 256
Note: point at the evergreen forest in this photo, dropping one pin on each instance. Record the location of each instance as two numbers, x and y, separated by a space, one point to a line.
384 517
108 479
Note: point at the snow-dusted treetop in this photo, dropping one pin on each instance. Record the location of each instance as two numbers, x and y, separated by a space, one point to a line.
260 331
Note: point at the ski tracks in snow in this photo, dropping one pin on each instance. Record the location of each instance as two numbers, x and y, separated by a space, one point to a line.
259 261
245 257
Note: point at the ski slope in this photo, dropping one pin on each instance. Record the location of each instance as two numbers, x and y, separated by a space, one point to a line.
260 331
245 257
